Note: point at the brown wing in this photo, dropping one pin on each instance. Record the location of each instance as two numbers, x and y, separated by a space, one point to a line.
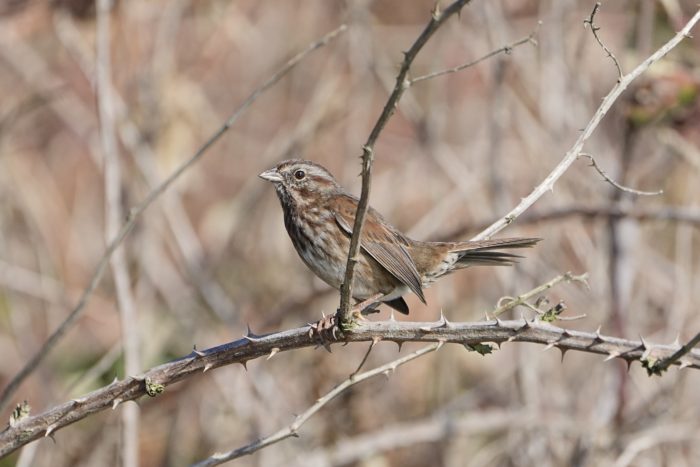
382 242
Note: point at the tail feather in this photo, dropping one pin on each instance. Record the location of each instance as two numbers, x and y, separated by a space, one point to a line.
485 252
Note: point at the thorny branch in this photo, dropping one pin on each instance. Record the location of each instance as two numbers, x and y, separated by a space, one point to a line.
594 30
293 428
469 334
137 210
607 178
657 367
523 298
438 19
569 158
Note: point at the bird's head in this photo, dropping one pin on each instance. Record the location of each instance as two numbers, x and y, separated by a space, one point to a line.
299 182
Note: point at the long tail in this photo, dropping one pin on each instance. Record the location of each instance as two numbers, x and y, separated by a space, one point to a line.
485 252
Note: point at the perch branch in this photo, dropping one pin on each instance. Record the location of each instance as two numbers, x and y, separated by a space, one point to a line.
402 83
251 347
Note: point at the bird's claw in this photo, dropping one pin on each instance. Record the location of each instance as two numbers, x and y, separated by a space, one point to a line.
325 330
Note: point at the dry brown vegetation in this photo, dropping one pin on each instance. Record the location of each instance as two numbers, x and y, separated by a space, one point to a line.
212 256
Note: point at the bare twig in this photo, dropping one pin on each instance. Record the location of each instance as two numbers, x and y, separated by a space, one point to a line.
113 189
687 215
607 178
522 299
548 183
594 30
661 365
438 19
292 430
159 378
507 49
137 210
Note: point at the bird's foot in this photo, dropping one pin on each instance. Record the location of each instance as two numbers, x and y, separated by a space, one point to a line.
325 330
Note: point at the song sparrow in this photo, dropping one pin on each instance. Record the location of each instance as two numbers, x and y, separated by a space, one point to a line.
319 217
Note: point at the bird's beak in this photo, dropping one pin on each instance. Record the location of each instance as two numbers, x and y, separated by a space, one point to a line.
271 175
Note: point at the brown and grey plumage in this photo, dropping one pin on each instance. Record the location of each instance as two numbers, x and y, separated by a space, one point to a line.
319 216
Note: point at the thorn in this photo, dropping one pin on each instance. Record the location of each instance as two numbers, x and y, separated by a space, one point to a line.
565 334
443 321
526 324
677 342
511 338
80 400
250 335
115 380
116 402
273 352
629 365
207 367
499 323
198 353
563 353
684 364
50 429
376 340
426 328
548 346
498 344
441 342
611 356
644 345
391 316
244 363
399 344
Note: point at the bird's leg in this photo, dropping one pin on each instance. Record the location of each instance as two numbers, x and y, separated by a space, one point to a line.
326 329
366 307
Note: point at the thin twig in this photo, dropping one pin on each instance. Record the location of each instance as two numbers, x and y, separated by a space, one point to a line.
113 202
686 215
594 30
159 378
661 365
607 178
137 210
438 19
548 183
292 429
507 49
523 298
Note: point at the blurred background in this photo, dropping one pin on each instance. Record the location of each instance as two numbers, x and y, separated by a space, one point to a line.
211 256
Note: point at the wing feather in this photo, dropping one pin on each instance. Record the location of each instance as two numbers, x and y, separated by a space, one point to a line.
385 244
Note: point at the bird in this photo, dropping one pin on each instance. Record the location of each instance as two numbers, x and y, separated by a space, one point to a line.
319 217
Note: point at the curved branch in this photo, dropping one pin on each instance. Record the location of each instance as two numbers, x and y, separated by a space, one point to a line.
155 380
622 84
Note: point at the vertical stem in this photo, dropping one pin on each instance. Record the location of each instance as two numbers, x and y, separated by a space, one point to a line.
114 215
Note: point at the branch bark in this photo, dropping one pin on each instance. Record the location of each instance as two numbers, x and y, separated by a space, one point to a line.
155 380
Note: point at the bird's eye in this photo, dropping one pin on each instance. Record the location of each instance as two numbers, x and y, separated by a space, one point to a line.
299 174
